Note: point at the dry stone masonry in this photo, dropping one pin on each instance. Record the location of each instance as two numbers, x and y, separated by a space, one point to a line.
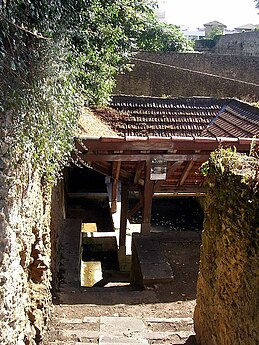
25 250
25 261
153 74
228 295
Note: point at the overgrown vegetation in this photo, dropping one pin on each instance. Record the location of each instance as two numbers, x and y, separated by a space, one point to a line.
57 56
227 162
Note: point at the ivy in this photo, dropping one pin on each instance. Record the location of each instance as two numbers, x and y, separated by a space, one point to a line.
227 163
55 57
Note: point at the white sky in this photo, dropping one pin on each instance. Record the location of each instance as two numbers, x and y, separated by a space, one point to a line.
195 13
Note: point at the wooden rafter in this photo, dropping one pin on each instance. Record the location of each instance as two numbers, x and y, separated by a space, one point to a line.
170 170
136 207
99 157
139 168
185 173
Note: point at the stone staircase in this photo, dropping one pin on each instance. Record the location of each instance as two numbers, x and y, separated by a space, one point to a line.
107 330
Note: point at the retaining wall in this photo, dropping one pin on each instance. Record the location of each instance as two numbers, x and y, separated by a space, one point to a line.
28 248
244 43
227 293
153 75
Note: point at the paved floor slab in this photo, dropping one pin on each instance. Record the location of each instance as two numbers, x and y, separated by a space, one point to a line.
122 330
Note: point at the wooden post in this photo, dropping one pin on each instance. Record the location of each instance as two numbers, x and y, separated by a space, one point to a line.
147 207
114 196
123 218
115 175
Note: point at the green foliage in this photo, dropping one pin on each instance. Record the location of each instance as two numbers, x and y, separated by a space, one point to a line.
228 163
154 35
57 56
215 31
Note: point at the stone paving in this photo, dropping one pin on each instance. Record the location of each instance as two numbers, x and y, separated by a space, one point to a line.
105 330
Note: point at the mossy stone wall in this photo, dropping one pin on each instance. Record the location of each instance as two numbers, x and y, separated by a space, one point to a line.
227 293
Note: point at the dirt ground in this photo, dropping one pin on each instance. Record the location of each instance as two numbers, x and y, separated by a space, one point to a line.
176 297
171 300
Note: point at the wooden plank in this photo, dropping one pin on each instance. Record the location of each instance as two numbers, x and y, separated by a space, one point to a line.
180 143
147 204
124 215
170 170
90 157
136 207
181 189
185 173
115 175
139 168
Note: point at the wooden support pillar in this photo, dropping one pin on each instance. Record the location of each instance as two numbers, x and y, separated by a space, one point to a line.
115 175
147 206
114 196
123 218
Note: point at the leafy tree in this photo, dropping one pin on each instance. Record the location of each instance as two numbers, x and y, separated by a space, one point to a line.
154 35
57 55
215 31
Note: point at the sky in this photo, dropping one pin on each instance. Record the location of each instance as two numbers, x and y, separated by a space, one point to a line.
195 13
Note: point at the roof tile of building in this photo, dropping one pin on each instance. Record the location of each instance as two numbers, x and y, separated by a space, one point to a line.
183 117
236 119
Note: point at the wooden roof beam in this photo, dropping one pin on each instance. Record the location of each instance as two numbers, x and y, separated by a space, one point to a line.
139 168
143 157
136 207
185 173
116 170
168 143
191 189
170 170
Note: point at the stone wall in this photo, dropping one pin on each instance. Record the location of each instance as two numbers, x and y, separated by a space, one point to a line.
27 248
245 43
152 75
25 259
227 293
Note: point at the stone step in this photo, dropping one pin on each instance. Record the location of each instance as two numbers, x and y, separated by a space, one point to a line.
78 333
107 330
61 342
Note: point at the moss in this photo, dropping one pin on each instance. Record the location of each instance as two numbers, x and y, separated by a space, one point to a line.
227 285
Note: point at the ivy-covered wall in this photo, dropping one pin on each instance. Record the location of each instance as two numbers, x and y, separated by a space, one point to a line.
227 294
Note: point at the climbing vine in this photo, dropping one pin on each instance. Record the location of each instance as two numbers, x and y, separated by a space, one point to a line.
226 162
55 57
